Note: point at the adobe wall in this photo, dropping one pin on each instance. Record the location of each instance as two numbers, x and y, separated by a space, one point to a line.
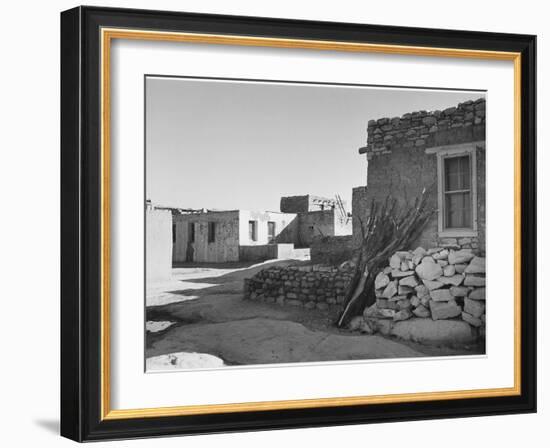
305 203
158 244
286 227
266 252
332 250
314 224
224 248
398 163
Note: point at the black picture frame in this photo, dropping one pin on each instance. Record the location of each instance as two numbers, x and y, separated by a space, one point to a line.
81 224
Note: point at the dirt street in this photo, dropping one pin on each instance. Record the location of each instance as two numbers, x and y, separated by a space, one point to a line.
201 312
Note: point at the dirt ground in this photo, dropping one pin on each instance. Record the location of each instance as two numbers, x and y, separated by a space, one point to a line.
208 315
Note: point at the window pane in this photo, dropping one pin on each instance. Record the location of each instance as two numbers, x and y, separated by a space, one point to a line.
451 177
464 173
457 173
458 210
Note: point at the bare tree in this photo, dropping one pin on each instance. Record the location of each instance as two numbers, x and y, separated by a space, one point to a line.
387 229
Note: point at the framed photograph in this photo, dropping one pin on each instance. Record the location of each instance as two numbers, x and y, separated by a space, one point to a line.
273 224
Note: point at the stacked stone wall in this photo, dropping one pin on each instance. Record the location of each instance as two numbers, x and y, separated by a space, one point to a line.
439 284
310 286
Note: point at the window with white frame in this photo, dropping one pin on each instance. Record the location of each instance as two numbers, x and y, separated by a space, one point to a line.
457 189
457 192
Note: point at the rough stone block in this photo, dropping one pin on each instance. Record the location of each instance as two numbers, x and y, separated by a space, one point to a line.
460 256
459 291
385 303
381 281
476 266
441 295
402 315
454 280
438 332
444 310
396 273
474 280
473 321
390 290
395 262
429 270
474 307
477 294
431 285
460 268
422 291
421 311
449 270
409 281
403 290
404 304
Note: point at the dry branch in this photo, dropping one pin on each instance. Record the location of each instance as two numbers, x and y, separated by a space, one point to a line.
386 230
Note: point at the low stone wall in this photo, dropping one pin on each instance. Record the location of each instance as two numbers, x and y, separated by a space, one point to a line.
438 284
332 250
312 286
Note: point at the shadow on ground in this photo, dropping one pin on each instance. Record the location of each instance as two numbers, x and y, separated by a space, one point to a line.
211 316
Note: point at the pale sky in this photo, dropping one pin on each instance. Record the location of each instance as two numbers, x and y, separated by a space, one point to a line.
243 145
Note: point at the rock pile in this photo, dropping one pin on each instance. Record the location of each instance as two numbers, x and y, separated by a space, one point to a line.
308 286
439 283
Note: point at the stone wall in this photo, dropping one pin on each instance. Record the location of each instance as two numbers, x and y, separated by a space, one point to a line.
438 284
311 286
463 123
332 250
399 165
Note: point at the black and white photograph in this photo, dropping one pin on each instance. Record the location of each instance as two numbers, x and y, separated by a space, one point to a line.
294 222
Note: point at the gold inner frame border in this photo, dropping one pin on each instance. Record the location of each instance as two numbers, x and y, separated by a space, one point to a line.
107 36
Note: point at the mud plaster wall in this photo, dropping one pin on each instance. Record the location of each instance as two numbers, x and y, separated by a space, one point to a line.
398 163
314 224
158 244
332 250
285 227
305 203
224 248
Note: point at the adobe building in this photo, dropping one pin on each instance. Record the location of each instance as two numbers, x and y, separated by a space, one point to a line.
316 217
442 151
242 235
231 235
158 244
